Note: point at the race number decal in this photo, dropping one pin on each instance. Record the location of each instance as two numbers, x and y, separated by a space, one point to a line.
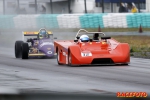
49 52
64 53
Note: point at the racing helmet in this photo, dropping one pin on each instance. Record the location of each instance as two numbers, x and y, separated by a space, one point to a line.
43 34
84 38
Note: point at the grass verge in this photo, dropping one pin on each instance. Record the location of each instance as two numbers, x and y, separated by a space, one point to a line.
76 29
103 30
139 45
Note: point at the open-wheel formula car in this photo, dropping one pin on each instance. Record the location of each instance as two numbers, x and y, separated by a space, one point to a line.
41 45
92 48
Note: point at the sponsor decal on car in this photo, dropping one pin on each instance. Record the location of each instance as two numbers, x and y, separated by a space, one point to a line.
103 42
48 48
66 59
83 44
64 53
46 43
49 52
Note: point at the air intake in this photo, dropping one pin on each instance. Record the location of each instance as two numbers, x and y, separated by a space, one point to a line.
102 61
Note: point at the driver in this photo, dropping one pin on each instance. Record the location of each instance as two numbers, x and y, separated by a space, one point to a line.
43 34
84 38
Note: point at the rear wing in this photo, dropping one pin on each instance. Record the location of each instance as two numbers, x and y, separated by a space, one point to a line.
30 33
33 33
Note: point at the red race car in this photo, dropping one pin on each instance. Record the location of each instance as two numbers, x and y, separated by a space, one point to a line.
92 48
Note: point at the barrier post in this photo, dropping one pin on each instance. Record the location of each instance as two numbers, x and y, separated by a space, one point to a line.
99 29
140 29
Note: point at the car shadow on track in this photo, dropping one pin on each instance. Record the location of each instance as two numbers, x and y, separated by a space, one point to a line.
54 57
94 66
104 66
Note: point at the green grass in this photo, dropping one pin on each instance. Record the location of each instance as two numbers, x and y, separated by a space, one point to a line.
117 29
137 43
88 29
102 29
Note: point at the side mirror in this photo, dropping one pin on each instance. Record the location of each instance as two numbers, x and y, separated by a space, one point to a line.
78 37
75 40
55 37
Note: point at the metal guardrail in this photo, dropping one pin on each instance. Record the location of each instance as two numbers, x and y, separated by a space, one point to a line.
73 21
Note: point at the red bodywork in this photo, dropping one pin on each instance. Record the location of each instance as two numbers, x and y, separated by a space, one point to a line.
110 52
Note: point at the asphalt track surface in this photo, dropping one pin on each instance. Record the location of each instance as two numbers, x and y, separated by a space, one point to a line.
46 74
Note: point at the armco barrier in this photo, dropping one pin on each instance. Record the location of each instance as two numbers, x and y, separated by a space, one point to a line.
55 21
25 21
69 21
47 21
6 22
91 20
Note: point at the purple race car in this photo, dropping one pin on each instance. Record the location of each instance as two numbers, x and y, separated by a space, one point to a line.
41 46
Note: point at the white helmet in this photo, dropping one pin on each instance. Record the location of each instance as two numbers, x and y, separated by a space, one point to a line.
84 38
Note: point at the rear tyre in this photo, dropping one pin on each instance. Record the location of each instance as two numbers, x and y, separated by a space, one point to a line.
58 57
25 50
18 46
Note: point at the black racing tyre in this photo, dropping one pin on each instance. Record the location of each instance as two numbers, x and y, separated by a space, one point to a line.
18 50
69 58
25 50
58 57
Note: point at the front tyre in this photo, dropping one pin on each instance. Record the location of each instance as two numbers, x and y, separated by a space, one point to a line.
25 50
70 60
58 57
